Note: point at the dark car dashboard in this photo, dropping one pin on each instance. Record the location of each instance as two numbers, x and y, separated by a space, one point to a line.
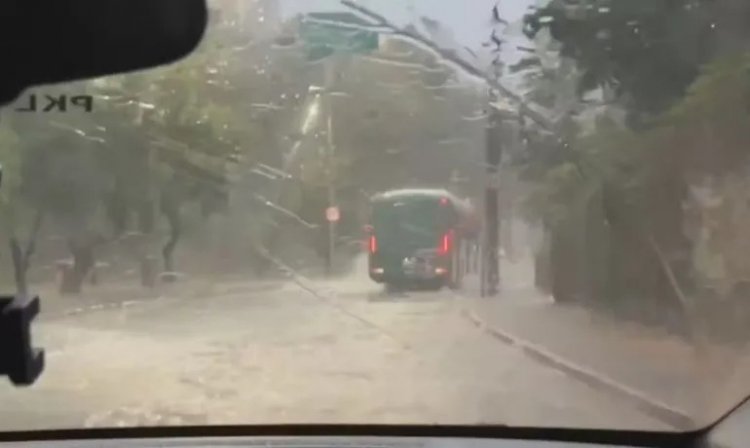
731 432
305 442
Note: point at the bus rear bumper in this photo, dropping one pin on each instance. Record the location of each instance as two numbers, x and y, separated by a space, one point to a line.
402 276
435 269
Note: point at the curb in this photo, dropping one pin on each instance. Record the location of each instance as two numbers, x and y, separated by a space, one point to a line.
651 407
90 308
129 302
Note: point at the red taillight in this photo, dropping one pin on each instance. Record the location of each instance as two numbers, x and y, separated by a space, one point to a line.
446 243
373 245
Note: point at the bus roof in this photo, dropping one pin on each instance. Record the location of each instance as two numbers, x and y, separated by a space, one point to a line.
465 208
414 193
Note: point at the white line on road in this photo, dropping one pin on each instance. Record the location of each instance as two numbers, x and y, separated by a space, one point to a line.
306 284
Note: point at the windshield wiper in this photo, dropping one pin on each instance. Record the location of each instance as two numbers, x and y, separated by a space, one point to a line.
21 362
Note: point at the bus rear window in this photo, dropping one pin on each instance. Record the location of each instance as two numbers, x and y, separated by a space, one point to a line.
417 216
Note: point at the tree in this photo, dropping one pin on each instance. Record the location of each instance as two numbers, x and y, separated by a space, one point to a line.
647 52
159 141
643 58
62 176
179 131
14 209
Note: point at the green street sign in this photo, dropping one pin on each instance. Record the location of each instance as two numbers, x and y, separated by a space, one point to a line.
327 33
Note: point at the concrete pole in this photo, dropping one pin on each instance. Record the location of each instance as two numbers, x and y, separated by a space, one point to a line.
330 80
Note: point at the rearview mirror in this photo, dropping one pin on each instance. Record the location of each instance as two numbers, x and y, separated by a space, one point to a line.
45 42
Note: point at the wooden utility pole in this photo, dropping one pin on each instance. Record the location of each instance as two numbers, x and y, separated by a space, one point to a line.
493 156
491 246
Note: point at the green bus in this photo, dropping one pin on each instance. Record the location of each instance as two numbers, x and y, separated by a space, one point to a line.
420 237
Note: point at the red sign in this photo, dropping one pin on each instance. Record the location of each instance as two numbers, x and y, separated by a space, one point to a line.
333 214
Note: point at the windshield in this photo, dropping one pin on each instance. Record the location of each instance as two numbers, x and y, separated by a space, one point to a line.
411 223
202 239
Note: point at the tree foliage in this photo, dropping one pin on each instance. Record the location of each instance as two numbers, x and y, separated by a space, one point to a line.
647 52
157 141
677 70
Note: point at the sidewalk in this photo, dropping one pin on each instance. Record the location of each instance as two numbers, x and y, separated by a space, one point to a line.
655 368
127 293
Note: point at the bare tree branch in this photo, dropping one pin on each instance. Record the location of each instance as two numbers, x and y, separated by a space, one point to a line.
451 56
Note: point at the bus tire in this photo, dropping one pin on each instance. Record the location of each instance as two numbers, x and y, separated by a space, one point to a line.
434 285
395 287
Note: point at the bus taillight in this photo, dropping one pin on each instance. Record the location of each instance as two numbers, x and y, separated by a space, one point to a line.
373 244
446 243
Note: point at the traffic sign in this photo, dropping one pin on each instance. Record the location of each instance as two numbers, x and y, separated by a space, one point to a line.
328 33
333 214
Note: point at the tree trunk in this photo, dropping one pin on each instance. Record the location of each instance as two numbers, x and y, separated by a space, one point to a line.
146 219
22 257
542 275
118 210
149 264
149 270
83 261
562 265
20 267
175 231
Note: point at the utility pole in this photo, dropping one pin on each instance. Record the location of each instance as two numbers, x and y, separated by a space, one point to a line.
493 155
330 80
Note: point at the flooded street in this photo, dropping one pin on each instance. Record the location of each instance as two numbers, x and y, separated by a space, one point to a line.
349 353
